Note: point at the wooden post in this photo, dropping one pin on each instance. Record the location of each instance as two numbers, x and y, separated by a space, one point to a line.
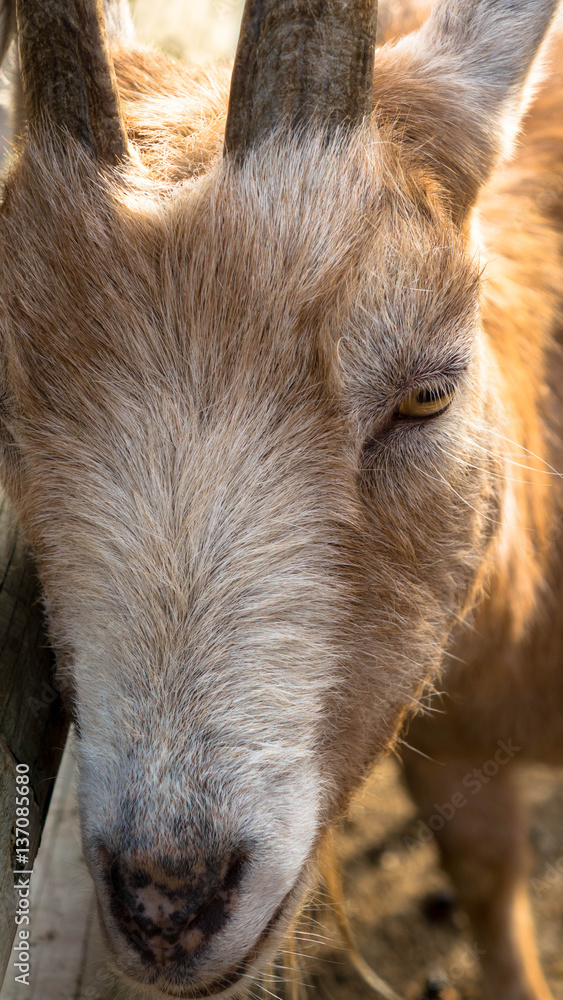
33 727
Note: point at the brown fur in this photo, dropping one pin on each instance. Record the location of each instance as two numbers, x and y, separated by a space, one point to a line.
251 562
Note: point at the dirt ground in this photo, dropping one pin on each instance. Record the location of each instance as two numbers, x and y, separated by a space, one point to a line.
399 899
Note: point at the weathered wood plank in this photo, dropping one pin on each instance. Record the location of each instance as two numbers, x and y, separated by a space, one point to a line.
32 724
62 905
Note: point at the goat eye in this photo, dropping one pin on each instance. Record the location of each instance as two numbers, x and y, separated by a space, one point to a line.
427 402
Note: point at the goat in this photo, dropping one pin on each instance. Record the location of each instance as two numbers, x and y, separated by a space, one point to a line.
280 374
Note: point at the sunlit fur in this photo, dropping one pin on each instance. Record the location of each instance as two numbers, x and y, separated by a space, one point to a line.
251 566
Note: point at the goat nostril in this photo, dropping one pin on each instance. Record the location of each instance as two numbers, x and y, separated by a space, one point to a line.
235 872
139 879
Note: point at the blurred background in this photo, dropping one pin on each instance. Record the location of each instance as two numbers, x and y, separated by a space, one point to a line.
194 29
197 30
401 904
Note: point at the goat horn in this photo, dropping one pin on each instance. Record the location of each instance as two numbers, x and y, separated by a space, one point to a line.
67 73
301 61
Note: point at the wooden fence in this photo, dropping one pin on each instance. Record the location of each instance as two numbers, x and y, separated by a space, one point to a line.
33 727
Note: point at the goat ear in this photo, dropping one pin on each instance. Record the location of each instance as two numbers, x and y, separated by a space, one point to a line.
458 87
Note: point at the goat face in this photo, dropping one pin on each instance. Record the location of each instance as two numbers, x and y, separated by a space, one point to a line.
250 556
246 429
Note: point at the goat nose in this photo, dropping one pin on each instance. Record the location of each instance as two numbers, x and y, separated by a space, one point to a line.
169 910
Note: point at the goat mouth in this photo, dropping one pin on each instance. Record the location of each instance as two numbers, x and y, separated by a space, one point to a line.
222 987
